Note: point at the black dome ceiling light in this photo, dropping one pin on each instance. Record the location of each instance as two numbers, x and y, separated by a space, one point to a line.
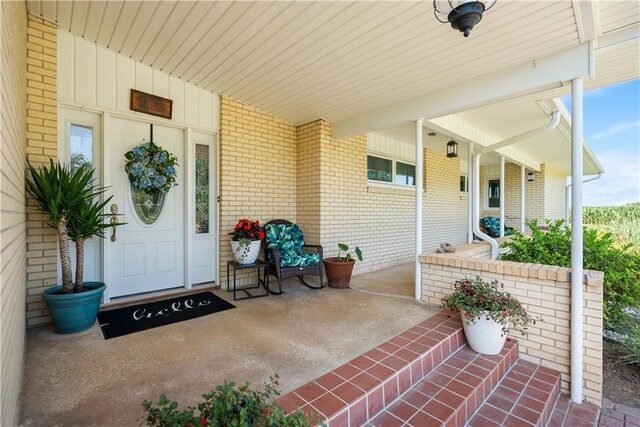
462 14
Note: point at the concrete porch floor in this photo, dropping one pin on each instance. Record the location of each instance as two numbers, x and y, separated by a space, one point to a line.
84 380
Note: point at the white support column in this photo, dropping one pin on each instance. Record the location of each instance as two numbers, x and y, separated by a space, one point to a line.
419 158
469 187
522 197
577 139
502 196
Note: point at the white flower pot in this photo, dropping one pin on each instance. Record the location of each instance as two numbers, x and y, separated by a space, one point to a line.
484 336
245 253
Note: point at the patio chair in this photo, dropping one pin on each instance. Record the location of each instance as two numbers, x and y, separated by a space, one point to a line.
289 256
491 226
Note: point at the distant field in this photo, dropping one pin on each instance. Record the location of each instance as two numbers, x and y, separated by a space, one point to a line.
623 222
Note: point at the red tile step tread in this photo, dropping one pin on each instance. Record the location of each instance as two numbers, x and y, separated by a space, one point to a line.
355 392
451 394
568 414
525 397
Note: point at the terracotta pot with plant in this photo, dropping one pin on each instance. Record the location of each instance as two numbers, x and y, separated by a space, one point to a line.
73 206
488 313
340 268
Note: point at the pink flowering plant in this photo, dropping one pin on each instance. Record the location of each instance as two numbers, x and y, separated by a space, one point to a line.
476 298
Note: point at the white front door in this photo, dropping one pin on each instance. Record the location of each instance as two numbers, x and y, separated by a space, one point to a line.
143 257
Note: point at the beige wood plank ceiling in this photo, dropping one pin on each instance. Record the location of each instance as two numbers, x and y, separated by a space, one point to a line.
305 60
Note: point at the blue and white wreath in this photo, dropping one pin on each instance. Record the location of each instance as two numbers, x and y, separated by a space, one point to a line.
151 168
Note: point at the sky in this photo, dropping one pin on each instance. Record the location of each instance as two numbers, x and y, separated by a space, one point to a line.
612 130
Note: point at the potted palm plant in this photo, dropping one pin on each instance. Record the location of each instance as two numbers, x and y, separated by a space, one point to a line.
72 205
340 268
488 313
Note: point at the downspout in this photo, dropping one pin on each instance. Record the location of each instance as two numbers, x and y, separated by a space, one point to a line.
470 199
522 198
567 194
555 120
418 179
502 198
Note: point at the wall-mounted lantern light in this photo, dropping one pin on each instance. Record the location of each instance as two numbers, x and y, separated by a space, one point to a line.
462 14
531 176
452 149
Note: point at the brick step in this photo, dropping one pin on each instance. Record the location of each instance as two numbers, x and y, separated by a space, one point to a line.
568 414
355 392
526 397
451 394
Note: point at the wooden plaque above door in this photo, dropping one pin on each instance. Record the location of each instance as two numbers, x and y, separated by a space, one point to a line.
151 104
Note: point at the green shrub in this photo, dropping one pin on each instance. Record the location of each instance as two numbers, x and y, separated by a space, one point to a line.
227 406
621 266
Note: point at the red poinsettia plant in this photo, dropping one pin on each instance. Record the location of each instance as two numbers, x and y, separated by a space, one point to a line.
246 229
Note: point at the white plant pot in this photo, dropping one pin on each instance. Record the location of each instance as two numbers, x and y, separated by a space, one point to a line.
484 336
245 254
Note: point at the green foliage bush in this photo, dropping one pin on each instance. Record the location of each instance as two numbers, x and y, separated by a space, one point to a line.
227 406
621 266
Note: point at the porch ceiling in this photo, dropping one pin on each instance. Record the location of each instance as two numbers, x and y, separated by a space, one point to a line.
304 60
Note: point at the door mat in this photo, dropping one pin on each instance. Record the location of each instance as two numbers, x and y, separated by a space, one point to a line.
135 318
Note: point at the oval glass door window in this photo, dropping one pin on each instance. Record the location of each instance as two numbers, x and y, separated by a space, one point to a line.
148 207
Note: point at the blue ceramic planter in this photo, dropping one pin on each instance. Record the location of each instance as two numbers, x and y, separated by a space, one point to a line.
73 313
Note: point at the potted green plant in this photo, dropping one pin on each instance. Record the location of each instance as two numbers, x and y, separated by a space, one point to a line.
72 205
488 313
229 405
340 268
245 241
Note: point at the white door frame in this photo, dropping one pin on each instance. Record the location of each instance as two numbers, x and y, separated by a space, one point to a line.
106 115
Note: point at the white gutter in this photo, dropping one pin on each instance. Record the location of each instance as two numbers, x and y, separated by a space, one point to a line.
567 192
553 123
555 119
418 266
577 270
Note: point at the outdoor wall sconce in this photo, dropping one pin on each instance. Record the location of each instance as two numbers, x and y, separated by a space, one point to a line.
531 176
462 14
452 149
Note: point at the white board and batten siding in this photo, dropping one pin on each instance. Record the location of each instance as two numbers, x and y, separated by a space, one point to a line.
100 80
92 75
390 147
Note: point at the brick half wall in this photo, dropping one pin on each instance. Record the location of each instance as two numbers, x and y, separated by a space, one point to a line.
545 292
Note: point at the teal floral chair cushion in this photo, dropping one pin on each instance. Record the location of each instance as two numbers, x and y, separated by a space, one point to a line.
289 240
492 225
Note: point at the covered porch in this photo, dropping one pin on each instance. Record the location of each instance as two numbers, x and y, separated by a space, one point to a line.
277 109
87 380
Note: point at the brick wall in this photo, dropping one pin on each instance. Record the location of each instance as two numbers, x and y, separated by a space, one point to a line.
544 197
258 170
545 292
13 242
329 195
42 136
378 220
445 209
308 180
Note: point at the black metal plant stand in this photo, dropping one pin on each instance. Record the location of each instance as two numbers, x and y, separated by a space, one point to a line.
261 281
